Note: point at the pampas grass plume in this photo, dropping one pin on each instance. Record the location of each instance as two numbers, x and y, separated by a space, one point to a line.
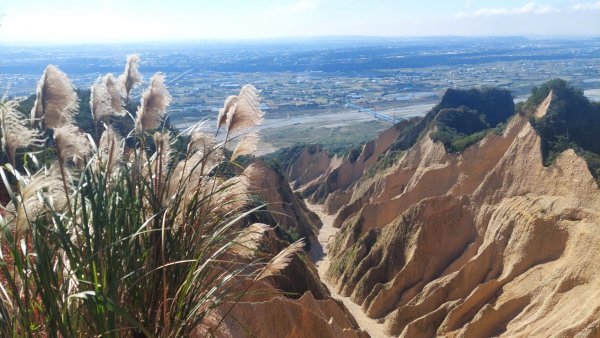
55 101
227 109
70 143
246 243
15 133
49 182
246 146
110 150
105 99
246 113
155 101
282 260
131 77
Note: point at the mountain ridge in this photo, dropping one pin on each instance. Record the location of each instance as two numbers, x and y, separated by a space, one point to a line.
448 244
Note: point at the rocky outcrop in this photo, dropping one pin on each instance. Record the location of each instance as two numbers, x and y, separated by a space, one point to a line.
488 242
323 177
286 210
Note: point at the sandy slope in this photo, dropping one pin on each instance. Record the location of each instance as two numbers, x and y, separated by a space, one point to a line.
488 242
319 256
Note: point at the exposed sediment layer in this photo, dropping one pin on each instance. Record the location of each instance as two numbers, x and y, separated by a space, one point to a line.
486 242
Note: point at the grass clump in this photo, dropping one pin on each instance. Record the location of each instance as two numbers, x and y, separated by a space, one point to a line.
120 234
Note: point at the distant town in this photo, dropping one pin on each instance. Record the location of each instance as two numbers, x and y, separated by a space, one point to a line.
320 76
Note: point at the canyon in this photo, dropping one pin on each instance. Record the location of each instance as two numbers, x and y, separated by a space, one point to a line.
485 242
406 238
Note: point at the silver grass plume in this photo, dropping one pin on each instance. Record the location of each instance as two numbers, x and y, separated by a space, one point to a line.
55 101
45 183
70 143
246 146
105 99
131 77
155 101
182 174
200 138
281 261
246 243
232 194
246 113
163 156
15 133
204 143
228 107
187 180
110 150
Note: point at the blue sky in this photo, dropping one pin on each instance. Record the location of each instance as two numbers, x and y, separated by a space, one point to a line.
69 21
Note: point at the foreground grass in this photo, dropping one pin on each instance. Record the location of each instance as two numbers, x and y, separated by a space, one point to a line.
124 235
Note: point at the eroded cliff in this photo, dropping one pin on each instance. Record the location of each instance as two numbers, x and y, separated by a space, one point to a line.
294 303
480 243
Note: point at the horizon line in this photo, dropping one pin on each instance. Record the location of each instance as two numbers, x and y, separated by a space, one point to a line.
293 39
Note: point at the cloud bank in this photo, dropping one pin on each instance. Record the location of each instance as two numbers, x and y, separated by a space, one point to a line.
530 8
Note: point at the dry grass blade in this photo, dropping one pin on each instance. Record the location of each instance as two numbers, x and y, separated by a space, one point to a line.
56 100
131 76
15 133
246 146
279 262
70 143
155 101
246 113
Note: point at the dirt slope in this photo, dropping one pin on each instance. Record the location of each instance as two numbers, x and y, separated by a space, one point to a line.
296 303
484 243
322 176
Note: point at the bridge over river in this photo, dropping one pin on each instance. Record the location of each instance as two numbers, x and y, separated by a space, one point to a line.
373 113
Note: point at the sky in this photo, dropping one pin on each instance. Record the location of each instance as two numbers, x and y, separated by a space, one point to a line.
101 21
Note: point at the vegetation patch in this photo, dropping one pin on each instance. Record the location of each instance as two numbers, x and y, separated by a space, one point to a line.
465 117
571 122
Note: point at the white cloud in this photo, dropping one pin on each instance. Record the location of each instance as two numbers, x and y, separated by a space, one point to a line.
586 6
491 11
533 8
529 8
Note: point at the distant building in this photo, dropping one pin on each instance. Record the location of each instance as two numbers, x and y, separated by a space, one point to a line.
230 85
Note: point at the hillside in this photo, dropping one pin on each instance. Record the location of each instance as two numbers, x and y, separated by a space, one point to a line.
570 121
461 119
493 240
